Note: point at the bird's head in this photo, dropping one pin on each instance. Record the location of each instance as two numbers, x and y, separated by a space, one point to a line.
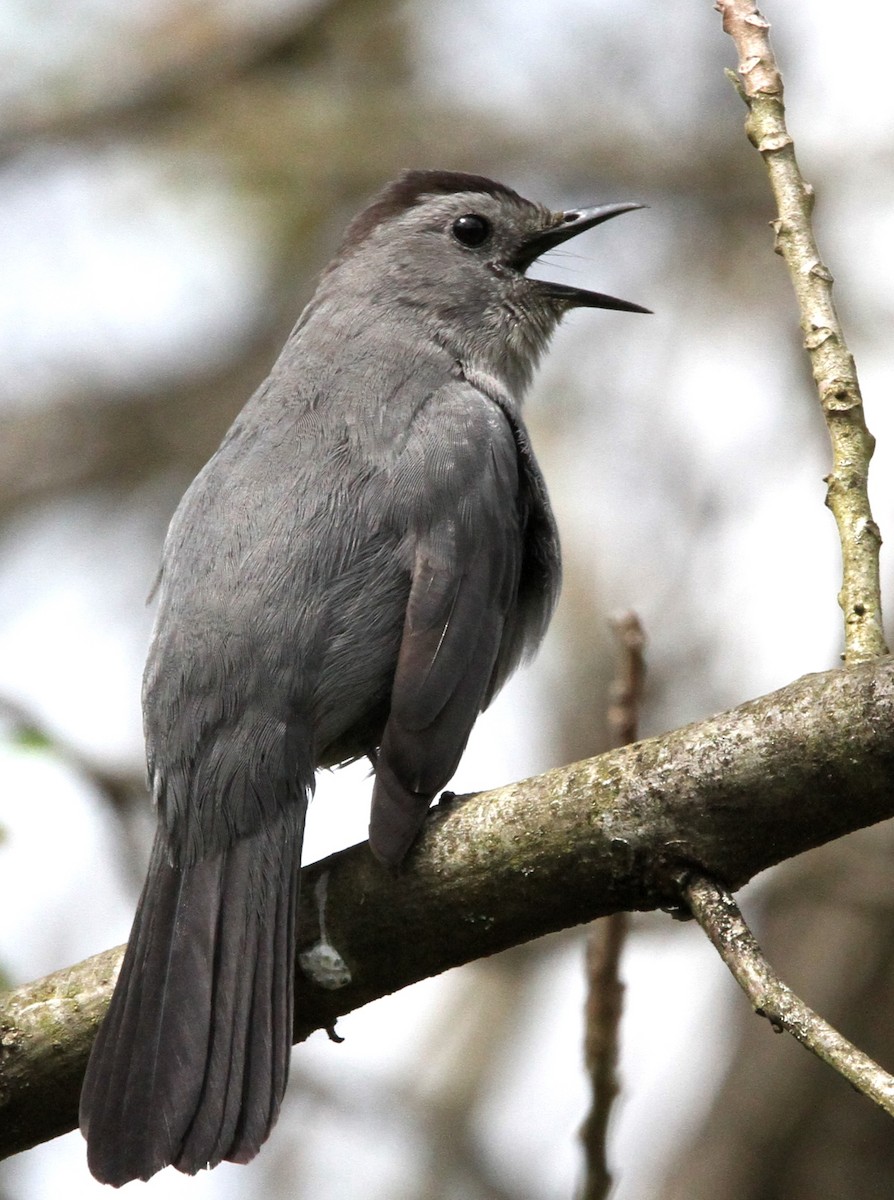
451 251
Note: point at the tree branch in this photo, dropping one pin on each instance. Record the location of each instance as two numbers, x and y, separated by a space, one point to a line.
719 916
730 796
830 360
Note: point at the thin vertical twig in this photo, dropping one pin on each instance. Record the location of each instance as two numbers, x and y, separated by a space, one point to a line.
627 686
760 85
605 942
603 1011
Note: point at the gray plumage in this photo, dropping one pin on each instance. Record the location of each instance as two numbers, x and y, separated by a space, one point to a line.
357 570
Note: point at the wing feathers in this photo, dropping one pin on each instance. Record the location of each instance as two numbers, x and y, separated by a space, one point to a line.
465 585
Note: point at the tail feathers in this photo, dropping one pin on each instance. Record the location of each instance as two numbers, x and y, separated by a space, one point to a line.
190 1065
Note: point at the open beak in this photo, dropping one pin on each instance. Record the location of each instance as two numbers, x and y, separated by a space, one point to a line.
568 225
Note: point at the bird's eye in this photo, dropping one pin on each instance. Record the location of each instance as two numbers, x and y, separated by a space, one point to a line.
472 229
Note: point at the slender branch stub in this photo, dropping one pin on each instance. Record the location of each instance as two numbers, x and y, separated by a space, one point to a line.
833 367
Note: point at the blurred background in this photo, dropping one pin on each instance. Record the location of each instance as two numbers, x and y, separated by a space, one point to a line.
173 174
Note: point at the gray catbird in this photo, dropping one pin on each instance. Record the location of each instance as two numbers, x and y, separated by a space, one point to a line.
357 570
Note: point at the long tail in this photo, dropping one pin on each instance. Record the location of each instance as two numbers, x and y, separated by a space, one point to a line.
191 1062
